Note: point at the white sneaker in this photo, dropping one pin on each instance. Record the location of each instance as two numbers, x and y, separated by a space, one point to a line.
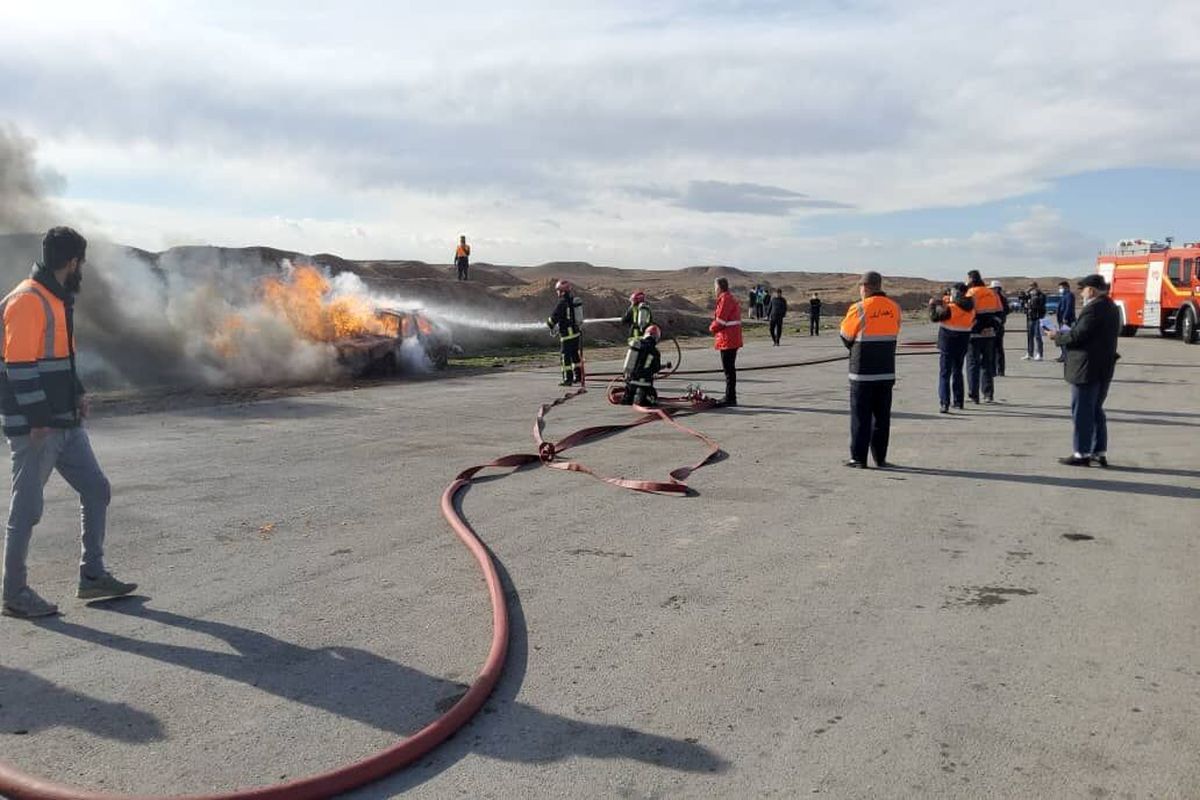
1037 358
1026 357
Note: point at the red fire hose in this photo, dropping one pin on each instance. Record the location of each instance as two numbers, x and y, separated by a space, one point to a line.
19 785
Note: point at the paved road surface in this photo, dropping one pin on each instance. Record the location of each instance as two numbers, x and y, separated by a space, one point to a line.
795 629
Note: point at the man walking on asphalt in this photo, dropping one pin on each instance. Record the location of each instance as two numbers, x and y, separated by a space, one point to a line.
775 313
1035 309
870 330
1091 358
43 410
814 315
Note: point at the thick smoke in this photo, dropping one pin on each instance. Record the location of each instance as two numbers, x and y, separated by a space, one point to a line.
191 317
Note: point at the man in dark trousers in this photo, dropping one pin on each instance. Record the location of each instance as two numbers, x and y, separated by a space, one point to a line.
814 315
1091 359
565 321
462 258
1003 320
870 331
1065 313
1035 309
955 315
981 356
776 312
44 406
726 327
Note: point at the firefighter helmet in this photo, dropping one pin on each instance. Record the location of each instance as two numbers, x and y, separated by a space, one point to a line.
637 298
654 332
562 287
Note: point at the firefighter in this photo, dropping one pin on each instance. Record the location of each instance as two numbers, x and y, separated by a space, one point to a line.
644 363
566 323
955 313
462 258
638 317
981 357
43 410
870 330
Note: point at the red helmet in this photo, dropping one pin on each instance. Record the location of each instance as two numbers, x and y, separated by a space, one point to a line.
562 286
654 332
637 298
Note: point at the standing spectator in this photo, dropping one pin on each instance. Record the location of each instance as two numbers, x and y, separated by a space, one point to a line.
752 303
1065 313
1091 358
1003 319
727 327
760 302
981 357
869 331
462 258
955 313
814 315
1035 309
44 406
776 313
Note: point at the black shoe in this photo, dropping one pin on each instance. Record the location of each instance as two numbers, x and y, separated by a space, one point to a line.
1101 461
1072 461
566 383
884 465
960 406
852 464
989 400
975 400
944 410
728 402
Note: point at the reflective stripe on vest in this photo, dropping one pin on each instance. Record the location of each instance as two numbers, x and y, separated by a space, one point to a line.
48 341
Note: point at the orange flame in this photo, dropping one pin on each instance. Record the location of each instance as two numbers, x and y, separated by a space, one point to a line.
302 298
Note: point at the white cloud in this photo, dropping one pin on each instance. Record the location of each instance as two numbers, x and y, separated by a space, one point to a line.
411 126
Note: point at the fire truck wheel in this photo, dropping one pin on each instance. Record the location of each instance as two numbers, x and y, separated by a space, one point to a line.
1187 326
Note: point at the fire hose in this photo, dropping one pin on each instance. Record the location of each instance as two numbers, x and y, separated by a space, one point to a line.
19 785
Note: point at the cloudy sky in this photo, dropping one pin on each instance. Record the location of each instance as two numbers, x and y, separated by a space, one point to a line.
915 137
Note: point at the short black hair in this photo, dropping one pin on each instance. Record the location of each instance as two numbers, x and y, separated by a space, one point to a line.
723 284
974 278
872 280
1064 283
60 245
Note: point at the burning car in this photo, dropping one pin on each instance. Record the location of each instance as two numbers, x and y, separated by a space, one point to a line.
402 337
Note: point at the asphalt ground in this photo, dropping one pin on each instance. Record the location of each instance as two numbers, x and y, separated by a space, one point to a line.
794 628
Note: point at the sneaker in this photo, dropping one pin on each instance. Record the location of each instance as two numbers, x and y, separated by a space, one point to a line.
944 410
852 464
960 406
1101 461
104 586
1037 358
989 400
28 605
1076 461
1026 357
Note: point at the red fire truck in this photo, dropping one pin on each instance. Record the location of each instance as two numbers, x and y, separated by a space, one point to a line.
1156 285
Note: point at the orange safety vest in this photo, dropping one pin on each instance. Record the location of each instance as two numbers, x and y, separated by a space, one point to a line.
960 321
987 311
38 387
462 251
870 329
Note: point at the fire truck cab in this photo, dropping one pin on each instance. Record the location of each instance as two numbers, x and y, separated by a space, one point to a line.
1156 285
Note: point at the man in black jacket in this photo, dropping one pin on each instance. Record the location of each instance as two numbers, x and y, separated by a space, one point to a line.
1091 358
1035 309
776 311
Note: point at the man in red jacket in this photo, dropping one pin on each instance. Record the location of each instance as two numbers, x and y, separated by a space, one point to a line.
727 325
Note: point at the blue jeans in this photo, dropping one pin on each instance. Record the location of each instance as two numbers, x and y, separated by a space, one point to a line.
1033 338
1087 414
950 369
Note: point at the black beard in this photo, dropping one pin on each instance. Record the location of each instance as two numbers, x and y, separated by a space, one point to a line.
73 282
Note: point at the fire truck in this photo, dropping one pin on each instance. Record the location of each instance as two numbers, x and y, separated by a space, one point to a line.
1156 285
